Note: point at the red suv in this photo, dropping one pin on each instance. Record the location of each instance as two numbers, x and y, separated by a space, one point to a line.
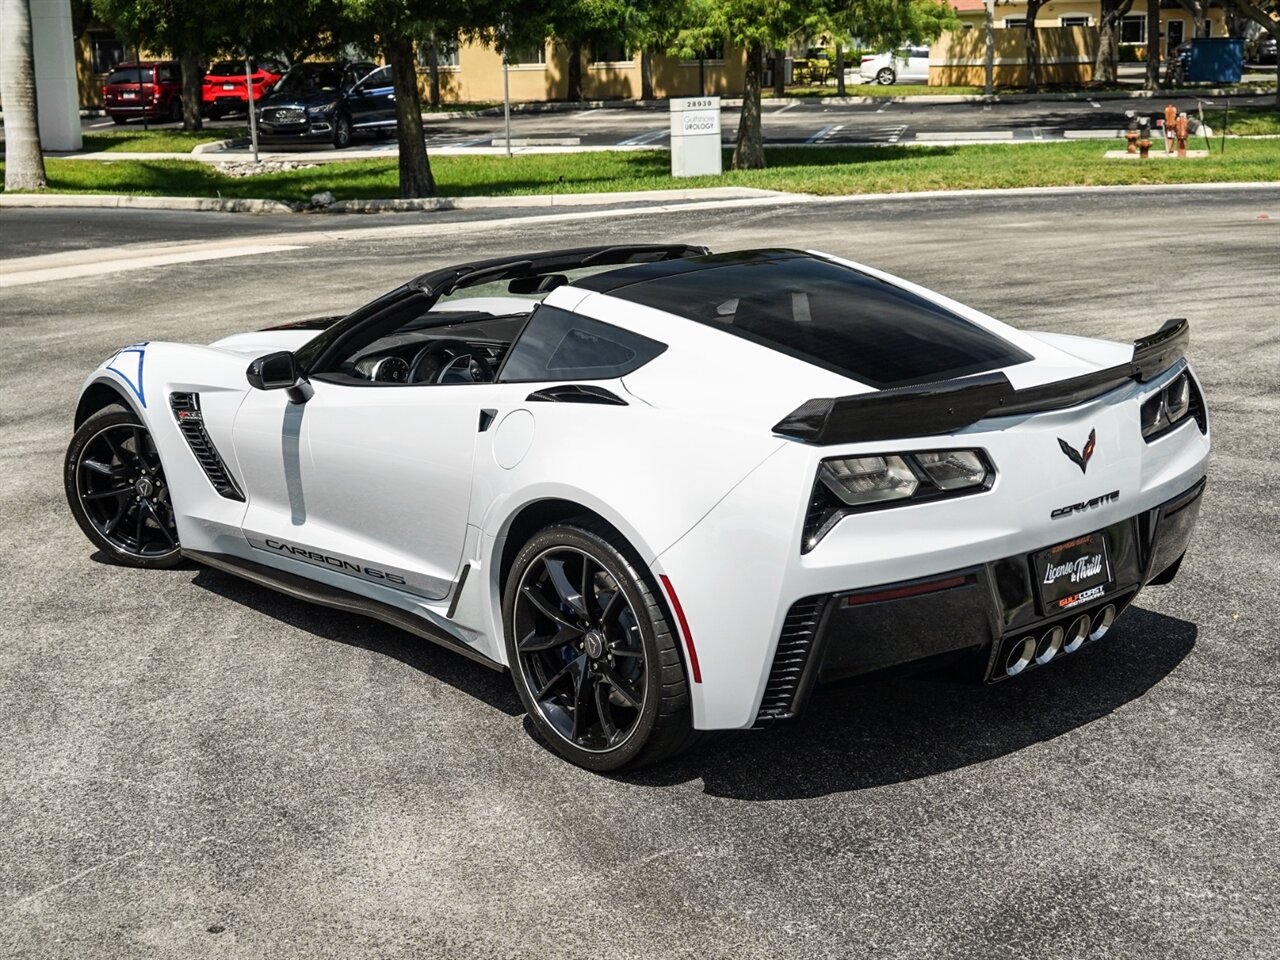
225 90
152 88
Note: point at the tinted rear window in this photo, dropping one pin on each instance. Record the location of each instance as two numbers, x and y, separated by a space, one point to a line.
829 315
229 69
131 75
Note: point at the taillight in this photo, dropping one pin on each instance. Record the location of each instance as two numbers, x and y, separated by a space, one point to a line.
867 59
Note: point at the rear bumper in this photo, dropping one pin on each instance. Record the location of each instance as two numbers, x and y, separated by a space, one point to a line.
985 612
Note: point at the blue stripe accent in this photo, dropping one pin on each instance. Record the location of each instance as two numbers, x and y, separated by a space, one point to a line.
135 382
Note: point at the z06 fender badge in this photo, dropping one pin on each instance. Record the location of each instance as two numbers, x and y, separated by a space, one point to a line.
1080 457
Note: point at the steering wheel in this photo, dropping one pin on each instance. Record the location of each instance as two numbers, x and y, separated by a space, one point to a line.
440 358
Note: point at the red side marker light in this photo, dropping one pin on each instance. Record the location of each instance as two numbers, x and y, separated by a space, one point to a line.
684 627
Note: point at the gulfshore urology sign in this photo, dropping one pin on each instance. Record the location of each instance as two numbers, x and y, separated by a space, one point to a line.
695 137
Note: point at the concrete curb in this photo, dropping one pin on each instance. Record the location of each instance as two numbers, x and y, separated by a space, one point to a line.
706 196
554 200
109 201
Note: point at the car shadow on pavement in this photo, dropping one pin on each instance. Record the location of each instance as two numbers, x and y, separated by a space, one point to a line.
858 735
475 680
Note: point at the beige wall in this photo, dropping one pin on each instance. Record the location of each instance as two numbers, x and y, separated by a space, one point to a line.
478 77
1066 57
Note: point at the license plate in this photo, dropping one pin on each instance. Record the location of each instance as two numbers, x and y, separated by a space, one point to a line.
228 86
1074 572
128 96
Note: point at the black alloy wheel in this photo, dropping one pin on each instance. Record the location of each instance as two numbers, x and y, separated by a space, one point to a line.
117 490
592 651
341 131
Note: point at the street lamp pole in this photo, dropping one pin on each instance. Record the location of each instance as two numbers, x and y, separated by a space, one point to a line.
253 116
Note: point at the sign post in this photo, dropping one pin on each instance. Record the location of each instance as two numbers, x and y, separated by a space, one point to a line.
695 137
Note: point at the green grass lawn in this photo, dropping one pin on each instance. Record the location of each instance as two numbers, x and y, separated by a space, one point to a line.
1245 121
826 171
163 140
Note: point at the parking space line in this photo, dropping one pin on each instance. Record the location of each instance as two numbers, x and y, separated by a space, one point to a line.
1037 133
1094 103
787 106
825 133
897 133
644 138
885 106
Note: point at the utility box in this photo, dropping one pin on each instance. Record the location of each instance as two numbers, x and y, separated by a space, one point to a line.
1216 60
695 137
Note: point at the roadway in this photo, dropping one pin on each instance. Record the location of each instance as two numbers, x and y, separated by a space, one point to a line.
196 767
904 120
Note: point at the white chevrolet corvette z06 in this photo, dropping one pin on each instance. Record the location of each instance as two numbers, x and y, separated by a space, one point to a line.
670 491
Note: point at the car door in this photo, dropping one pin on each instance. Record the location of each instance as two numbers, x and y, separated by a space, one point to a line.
373 101
368 480
917 64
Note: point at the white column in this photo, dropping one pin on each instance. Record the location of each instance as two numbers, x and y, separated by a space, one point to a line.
56 87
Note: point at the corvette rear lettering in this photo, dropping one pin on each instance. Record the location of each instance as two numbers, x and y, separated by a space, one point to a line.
1071 508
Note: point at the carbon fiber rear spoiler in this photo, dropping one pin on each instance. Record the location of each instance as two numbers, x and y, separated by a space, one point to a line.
930 409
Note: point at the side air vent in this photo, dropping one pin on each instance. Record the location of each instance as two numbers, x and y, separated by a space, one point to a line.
186 410
781 693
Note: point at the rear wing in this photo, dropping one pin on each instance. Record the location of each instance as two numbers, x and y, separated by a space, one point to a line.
930 409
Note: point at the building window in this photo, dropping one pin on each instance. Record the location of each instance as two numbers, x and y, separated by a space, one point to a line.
1073 21
1133 30
1015 23
528 54
609 51
446 52
105 51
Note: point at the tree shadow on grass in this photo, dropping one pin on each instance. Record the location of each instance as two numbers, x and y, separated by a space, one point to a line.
488 686
855 736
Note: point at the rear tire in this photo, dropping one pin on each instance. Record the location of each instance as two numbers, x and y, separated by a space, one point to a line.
341 131
175 111
594 653
885 77
119 121
117 491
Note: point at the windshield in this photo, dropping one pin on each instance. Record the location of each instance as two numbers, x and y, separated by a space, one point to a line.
311 78
130 75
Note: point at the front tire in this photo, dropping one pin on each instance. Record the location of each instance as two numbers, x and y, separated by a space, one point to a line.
885 77
593 652
117 491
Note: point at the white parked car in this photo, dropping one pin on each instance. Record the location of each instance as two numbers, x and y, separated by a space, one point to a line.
670 491
911 64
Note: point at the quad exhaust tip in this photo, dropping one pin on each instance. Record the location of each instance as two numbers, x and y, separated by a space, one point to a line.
1032 652
1106 617
1077 633
1049 645
1020 656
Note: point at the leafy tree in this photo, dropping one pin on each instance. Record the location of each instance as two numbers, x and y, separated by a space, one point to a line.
754 25
1266 14
24 163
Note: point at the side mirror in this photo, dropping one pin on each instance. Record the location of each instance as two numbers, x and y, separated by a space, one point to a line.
279 371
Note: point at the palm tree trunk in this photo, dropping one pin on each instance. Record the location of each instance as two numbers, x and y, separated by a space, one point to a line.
646 74
840 88
574 73
24 163
1153 45
192 65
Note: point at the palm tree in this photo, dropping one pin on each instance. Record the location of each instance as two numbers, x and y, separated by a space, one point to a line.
24 164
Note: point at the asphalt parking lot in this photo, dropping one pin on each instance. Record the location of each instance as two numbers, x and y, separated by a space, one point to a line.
192 766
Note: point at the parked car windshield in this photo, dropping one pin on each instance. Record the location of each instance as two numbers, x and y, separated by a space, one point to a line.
311 78
130 75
